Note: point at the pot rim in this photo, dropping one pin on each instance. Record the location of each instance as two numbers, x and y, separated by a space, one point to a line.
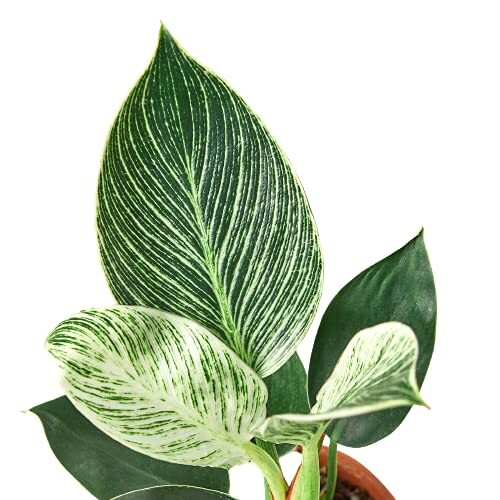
355 473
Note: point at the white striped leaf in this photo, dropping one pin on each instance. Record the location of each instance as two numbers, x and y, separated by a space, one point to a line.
200 214
159 384
375 372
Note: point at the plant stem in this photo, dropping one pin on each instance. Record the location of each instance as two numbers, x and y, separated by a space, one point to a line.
331 477
271 450
270 469
309 475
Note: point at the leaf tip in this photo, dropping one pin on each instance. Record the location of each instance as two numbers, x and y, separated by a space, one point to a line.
163 30
418 400
165 36
421 402
49 341
56 340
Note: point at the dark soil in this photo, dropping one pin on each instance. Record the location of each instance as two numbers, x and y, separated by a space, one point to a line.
345 490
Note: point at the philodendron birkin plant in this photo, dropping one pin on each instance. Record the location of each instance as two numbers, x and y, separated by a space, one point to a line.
209 246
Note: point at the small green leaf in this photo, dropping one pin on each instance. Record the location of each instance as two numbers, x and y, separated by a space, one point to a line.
200 214
287 393
107 468
174 493
287 389
159 384
398 288
375 372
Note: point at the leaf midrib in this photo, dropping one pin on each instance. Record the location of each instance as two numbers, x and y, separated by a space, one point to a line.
227 323
173 404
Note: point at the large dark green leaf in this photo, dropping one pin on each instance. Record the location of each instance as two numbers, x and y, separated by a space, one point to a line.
287 390
398 288
104 466
175 493
200 214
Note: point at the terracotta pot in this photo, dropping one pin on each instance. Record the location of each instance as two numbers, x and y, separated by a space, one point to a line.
354 473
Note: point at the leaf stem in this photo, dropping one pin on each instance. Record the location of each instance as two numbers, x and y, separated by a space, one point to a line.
331 477
309 480
270 469
271 450
307 485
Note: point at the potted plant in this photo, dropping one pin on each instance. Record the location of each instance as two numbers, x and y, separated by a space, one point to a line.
210 248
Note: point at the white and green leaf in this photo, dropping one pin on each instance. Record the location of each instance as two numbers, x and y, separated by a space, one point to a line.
200 214
159 384
375 372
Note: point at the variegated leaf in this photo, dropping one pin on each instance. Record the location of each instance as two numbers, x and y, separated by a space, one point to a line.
375 372
200 214
159 384
400 288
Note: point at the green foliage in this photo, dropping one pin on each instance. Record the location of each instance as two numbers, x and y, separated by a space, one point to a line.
208 242
159 384
201 215
376 371
287 393
107 468
398 288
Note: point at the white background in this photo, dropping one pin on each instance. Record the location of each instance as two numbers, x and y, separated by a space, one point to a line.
390 114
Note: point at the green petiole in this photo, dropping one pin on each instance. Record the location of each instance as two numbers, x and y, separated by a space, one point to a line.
270 469
270 448
331 478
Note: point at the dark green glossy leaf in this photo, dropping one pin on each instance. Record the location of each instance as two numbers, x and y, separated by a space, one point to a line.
175 493
398 288
200 214
287 390
104 466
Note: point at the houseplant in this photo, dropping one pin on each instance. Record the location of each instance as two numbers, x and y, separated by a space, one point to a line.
210 248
